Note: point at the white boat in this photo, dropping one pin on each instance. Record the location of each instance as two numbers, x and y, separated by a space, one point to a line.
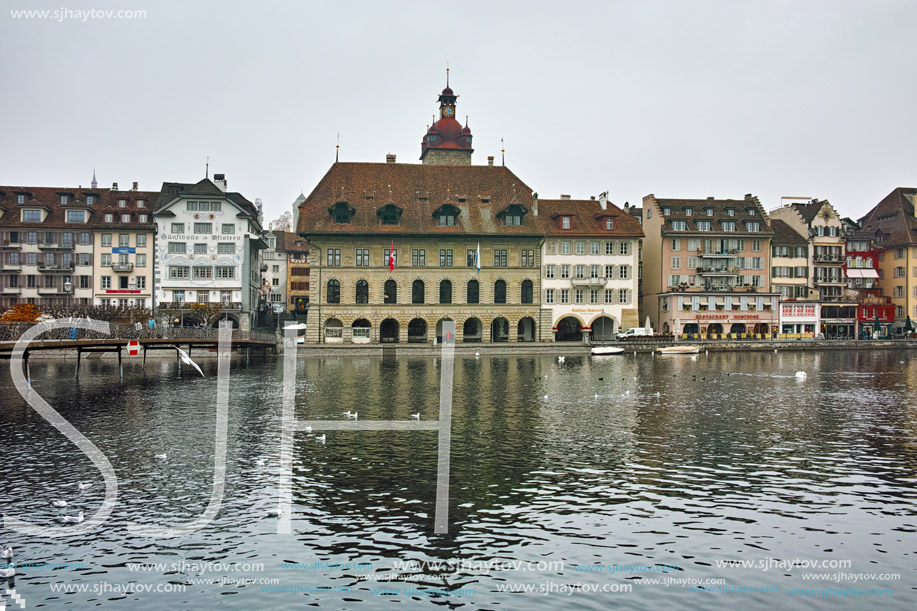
604 350
678 350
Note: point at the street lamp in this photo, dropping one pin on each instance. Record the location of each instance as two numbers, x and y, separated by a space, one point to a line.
68 287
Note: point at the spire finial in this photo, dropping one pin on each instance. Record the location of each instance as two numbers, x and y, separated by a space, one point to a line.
337 148
94 183
502 152
466 120
447 73
207 168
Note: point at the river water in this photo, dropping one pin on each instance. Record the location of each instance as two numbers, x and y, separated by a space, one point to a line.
632 474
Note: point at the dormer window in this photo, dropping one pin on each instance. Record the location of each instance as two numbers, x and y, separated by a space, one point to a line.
512 215
609 223
390 214
90 200
125 218
109 217
728 225
565 222
31 216
341 212
730 211
689 211
752 226
709 211
20 199
431 138
750 211
64 199
122 203
704 226
679 225
446 215
666 211
141 203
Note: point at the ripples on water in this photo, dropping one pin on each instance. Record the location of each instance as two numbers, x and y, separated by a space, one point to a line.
666 461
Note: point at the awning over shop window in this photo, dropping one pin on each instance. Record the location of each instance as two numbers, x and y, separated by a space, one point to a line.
862 273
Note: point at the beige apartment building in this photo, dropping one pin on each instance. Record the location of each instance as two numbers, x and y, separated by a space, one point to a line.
706 267
123 236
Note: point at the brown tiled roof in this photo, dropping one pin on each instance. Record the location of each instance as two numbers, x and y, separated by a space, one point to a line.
719 214
286 242
893 218
487 190
784 234
809 210
586 219
49 198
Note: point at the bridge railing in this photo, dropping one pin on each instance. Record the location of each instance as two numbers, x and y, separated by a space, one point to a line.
13 331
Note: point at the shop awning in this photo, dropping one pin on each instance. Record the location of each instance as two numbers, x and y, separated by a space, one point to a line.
862 273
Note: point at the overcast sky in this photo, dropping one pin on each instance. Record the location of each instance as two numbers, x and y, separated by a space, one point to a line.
680 99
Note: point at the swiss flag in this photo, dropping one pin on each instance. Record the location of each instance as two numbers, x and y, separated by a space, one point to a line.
391 258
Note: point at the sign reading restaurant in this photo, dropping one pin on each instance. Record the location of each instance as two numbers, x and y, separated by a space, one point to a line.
728 316
226 237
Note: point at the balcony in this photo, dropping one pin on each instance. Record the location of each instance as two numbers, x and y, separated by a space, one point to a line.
589 281
731 254
227 306
822 258
122 267
10 290
55 246
11 267
59 268
718 271
5 245
51 290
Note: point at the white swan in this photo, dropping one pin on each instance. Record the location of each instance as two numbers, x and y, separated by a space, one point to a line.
83 486
6 552
546 397
561 359
353 416
260 462
307 429
8 572
162 456
73 520
320 439
801 375
275 512
59 503
416 416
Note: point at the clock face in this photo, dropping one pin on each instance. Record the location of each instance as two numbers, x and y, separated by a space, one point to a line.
448 111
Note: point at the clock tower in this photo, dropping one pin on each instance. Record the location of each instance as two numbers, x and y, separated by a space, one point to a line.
446 141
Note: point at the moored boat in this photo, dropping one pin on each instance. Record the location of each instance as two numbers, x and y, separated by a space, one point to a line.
678 350
605 350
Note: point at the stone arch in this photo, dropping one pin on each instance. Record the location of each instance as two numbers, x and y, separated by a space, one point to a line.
472 330
390 291
230 317
499 330
417 331
567 328
439 327
334 331
604 327
361 292
527 291
361 331
389 331
333 291
525 329
418 291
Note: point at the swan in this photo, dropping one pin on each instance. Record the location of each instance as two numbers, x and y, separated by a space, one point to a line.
83 486
308 429
73 520
275 512
8 572
260 462
59 503
162 456
6 552
416 416
546 397
354 415
320 439
561 359
801 375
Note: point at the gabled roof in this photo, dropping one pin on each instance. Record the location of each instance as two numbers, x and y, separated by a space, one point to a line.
784 234
720 207
286 242
585 221
893 218
203 188
485 189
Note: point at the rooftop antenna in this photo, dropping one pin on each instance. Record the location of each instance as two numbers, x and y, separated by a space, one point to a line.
337 148
207 168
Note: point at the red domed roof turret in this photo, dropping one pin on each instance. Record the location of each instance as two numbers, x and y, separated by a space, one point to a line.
447 133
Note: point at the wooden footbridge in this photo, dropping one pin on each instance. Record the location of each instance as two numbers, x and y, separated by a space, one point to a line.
92 342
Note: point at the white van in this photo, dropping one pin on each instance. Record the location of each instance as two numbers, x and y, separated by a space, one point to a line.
635 332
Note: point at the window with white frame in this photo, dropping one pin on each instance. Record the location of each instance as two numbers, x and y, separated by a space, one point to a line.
549 296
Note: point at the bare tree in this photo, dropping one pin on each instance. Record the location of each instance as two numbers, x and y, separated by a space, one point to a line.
284 223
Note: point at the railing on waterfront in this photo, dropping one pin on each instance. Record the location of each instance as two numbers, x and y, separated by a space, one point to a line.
13 331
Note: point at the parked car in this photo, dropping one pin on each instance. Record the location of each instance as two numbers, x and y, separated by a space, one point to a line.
635 332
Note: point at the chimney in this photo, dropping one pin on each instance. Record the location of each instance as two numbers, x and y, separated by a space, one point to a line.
603 200
534 199
564 196
748 196
390 158
220 181
114 186
135 185
490 160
